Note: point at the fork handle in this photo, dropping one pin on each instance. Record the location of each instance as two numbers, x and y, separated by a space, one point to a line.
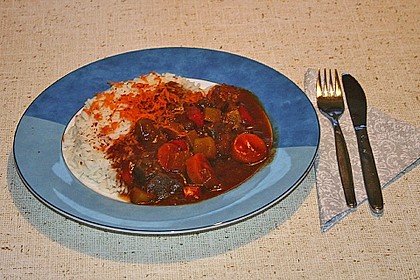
344 166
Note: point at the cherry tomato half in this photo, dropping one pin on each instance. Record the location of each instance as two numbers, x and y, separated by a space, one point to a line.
249 148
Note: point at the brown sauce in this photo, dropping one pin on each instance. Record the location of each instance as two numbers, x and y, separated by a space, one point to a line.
199 152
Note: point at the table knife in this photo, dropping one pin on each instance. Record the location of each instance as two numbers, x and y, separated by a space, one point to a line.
356 102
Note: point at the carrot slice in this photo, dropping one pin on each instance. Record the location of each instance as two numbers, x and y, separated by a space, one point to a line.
172 158
200 171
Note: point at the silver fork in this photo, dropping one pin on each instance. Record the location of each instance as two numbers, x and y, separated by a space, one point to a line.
331 104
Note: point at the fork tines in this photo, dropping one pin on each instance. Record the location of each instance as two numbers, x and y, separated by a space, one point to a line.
328 87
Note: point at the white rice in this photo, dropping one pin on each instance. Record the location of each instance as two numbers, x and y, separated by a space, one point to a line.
84 145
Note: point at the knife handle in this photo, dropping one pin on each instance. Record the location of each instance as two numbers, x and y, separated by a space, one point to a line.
344 167
370 174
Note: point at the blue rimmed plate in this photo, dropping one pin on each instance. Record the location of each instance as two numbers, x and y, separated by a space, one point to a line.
38 154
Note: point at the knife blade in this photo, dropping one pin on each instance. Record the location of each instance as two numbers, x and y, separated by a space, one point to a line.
356 102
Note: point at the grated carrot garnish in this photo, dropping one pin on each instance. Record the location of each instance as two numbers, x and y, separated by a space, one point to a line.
156 102
108 129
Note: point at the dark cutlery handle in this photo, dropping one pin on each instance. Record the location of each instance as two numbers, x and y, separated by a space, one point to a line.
370 174
344 167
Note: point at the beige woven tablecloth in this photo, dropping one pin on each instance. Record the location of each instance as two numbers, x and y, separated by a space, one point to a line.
377 41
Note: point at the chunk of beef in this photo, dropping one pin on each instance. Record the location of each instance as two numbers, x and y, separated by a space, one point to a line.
163 186
146 131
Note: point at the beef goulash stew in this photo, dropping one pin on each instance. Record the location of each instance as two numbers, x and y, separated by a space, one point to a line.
199 151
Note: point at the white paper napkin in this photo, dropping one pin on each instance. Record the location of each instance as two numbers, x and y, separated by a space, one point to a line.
395 145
